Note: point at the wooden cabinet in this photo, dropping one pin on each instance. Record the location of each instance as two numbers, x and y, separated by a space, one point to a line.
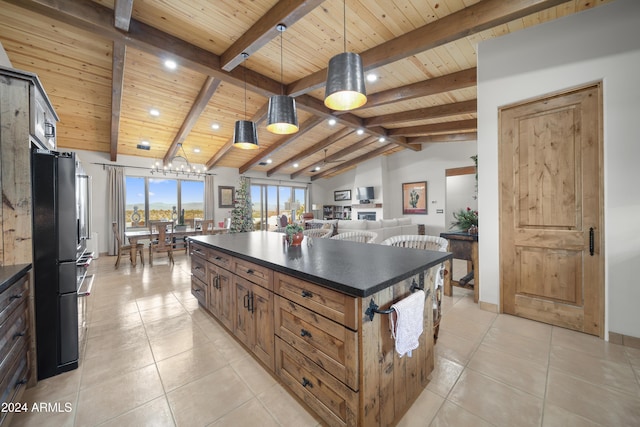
15 342
221 302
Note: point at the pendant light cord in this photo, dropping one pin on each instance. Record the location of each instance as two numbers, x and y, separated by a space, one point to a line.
281 65
244 75
344 23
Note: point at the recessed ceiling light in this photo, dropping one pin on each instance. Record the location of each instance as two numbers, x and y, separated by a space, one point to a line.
170 64
196 150
372 77
215 126
269 161
145 143
317 168
332 122
382 139
154 112
360 131
295 165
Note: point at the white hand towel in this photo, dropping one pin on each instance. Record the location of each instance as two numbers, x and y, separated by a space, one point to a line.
409 313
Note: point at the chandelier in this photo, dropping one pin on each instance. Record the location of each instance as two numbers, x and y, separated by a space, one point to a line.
178 166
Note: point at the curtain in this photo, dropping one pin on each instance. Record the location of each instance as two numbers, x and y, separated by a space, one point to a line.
116 204
209 197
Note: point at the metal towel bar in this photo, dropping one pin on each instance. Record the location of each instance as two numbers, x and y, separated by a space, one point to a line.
373 307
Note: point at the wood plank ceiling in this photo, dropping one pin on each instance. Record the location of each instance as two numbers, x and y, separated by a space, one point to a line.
102 64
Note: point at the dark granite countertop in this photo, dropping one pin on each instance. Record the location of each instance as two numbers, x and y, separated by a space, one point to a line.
357 269
11 273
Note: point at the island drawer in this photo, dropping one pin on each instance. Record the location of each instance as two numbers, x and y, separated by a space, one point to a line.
327 343
13 331
336 403
199 268
253 272
199 290
12 297
199 250
332 304
221 259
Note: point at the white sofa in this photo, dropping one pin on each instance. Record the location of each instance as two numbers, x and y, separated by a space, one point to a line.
384 228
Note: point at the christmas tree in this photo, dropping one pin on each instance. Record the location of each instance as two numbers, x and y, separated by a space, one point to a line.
241 215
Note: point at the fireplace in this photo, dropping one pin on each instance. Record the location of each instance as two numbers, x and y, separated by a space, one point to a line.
371 216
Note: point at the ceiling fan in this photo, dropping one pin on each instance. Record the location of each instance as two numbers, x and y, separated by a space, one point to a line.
325 162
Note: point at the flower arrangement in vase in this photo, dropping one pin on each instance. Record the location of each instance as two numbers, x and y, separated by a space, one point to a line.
466 219
294 234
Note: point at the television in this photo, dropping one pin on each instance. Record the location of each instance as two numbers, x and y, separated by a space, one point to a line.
365 193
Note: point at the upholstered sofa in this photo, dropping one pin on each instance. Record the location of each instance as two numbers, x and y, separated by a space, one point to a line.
385 228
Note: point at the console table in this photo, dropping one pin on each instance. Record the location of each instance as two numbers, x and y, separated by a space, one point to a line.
463 246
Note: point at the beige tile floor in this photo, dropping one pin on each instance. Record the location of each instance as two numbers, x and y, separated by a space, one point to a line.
152 357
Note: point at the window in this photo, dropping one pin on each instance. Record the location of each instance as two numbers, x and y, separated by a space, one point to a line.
271 201
152 199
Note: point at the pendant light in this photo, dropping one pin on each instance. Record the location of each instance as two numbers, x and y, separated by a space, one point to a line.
245 134
281 116
345 88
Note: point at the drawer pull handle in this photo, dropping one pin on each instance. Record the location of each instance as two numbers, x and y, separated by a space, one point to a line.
306 382
17 296
306 294
19 334
218 258
21 382
197 267
216 282
250 271
305 333
198 251
245 301
198 290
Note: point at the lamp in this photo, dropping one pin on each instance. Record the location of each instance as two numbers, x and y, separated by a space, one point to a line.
178 165
345 89
281 116
245 134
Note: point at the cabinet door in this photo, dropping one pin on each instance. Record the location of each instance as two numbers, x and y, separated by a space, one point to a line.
263 333
224 294
213 298
242 319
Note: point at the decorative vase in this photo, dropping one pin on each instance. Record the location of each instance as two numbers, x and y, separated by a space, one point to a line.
473 229
296 239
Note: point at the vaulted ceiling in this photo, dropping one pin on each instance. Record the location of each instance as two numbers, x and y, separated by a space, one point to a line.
102 64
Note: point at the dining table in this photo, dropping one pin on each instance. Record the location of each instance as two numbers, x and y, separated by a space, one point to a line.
143 234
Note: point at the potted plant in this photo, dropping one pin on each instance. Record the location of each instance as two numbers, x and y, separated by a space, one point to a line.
181 226
294 234
466 220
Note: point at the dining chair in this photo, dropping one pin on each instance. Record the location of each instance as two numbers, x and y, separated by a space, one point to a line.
322 233
164 240
127 249
207 225
356 236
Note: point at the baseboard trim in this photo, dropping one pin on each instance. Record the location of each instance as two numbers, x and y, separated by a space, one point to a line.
486 306
626 340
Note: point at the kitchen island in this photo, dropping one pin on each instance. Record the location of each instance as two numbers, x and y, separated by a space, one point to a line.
309 315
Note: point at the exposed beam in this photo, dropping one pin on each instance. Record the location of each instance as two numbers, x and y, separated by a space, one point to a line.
258 117
337 155
331 139
304 128
445 137
206 92
264 30
122 14
353 162
444 110
454 81
445 127
117 82
460 24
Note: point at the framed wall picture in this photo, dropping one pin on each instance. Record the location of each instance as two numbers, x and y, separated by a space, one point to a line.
225 196
341 195
414 198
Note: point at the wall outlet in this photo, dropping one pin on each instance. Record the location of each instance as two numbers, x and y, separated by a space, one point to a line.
439 210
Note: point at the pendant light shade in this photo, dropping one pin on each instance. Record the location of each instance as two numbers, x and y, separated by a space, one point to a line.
245 135
281 117
345 89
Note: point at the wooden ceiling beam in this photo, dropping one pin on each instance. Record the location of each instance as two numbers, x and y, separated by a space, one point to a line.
445 127
122 14
117 83
437 111
470 20
264 30
337 155
447 83
353 162
445 137
304 128
206 92
331 139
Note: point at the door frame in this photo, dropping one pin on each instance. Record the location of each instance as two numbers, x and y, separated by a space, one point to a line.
599 243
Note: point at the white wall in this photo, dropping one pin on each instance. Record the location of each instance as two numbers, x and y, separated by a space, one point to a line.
598 44
429 165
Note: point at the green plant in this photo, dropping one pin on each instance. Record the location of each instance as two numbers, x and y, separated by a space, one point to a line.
181 220
465 218
292 229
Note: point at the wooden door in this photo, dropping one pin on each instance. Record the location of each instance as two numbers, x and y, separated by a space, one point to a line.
551 260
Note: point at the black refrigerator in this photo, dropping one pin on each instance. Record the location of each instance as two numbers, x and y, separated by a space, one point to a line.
55 250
